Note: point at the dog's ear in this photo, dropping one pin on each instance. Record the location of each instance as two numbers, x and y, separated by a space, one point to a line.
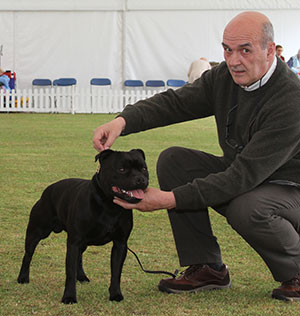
103 155
140 151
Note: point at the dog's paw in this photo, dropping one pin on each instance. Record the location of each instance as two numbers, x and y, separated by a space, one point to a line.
69 300
23 279
116 297
83 278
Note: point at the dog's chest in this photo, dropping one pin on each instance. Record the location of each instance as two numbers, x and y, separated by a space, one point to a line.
105 230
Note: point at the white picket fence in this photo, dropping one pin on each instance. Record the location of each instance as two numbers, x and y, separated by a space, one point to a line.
70 100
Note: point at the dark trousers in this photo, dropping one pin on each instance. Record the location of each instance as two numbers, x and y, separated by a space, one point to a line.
268 217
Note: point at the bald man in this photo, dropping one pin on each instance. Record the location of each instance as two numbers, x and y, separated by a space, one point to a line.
255 184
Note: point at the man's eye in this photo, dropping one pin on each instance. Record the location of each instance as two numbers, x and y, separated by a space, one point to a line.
246 50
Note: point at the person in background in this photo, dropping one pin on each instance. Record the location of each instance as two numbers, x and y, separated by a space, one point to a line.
4 80
294 63
197 68
279 50
255 183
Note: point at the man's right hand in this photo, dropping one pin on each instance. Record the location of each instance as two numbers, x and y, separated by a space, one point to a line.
106 134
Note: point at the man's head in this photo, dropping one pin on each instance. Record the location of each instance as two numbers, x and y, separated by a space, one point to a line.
249 47
279 50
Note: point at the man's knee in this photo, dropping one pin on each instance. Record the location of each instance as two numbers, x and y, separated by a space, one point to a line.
168 165
167 160
169 154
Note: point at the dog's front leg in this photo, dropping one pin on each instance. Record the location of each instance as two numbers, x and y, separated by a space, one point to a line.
81 276
69 296
118 255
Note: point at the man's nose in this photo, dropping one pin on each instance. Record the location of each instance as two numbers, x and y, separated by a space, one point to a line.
234 59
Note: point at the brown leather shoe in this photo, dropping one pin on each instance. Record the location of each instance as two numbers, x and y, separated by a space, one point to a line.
197 278
289 290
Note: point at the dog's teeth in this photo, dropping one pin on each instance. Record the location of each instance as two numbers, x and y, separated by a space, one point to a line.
131 194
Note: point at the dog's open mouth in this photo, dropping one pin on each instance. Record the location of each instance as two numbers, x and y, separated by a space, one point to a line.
131 196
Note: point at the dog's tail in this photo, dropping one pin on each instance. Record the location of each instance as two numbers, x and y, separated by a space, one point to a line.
153 272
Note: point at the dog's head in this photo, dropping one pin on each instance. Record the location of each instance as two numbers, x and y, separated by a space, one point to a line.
123 174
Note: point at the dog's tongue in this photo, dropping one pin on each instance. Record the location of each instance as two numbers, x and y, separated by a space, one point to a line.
139 194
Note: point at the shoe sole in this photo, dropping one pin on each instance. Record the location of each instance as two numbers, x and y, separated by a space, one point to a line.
285 298
199 289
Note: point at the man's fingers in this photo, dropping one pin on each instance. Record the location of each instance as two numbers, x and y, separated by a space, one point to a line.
100 139
123 203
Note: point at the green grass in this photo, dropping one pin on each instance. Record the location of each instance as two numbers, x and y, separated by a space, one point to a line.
38 149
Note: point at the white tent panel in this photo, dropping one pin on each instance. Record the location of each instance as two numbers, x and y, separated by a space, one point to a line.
67 44
162 46
7 39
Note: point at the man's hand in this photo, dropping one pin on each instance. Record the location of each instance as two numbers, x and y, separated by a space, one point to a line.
106 134
154 199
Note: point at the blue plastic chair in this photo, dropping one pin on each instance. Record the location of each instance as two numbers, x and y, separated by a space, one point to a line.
41 82
133 83
176 83
100 82
65 82
155 83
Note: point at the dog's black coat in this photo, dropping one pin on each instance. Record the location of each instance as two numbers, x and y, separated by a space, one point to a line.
84 209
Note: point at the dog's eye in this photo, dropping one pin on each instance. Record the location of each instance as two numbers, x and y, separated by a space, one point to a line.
122 170
144 169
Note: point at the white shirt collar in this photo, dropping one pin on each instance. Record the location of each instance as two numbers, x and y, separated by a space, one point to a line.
264 79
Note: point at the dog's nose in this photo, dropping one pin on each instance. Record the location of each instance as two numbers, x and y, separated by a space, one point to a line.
140 180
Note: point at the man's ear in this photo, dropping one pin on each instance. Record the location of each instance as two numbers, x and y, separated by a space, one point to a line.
103 155
271 47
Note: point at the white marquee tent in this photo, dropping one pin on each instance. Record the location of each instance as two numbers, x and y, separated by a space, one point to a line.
125 39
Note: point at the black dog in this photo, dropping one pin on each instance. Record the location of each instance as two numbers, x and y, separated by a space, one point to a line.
84 209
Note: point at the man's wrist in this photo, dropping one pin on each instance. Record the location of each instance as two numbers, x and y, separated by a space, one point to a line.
169 200
121 122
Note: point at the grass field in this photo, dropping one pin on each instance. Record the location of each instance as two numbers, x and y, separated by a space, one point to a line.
38 149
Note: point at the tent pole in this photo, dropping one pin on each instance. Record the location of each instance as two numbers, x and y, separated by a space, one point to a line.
123 44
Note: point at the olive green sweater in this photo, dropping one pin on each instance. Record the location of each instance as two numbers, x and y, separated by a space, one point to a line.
266 122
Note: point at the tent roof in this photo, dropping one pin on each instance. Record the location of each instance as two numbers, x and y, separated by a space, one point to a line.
143 5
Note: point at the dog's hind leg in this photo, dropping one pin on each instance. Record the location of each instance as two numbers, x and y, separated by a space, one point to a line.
81 276
33 237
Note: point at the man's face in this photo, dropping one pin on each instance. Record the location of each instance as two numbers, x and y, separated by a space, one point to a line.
279 51
247 61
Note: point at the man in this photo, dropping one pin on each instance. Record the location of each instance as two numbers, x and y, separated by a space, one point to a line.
255 184
197 68
294 63
279 50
